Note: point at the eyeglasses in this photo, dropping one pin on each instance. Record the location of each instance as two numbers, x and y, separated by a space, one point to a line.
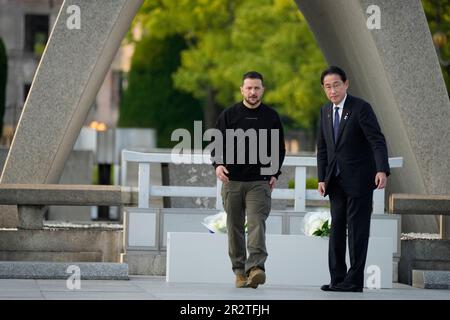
335 86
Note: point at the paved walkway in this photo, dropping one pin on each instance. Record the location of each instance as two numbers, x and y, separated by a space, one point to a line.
156 288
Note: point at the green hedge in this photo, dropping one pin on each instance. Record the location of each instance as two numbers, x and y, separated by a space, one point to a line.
311 183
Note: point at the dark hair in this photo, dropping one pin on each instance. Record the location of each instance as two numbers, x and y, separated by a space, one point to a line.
333 70
253 75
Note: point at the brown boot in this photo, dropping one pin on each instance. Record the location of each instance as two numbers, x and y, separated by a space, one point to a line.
241 281
256 277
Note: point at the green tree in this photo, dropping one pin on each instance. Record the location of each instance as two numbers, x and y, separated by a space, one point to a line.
226 38
206 27
150 99
438 16
3 79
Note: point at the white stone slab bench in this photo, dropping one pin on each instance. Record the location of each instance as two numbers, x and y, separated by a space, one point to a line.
294 260
423 204
66 194
31 198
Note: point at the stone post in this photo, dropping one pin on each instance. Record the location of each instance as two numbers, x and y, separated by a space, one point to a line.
79 52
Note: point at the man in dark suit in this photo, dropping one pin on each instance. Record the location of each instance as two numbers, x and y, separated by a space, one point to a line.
352 161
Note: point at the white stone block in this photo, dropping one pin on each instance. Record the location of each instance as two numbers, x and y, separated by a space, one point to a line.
295 260
143 226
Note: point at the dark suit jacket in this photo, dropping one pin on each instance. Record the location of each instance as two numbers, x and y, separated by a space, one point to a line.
360 149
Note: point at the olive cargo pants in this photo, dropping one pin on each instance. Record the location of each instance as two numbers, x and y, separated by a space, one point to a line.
254 199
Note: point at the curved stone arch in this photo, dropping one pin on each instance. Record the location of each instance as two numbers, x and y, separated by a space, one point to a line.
394 67
397 70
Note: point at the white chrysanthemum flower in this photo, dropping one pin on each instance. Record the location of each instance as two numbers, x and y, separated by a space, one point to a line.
314 221
217 223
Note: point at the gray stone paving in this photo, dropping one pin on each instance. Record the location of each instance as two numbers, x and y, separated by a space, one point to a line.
156 288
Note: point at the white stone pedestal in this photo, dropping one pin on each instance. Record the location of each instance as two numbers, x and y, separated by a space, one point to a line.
293 260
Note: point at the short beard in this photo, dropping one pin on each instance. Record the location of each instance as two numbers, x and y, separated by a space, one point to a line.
252 104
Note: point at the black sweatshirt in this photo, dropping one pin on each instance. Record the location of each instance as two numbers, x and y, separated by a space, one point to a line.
239 116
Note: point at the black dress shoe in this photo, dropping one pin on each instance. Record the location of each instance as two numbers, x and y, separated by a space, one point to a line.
327 287
343 287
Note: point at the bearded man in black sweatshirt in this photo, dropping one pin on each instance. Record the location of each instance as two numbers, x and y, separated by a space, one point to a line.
249 165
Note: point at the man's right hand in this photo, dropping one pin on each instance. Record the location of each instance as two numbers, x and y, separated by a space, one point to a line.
321 188
221 173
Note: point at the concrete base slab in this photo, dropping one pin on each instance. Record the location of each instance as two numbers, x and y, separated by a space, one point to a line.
293 260
62 244
423 254
145 263
154 264
61 270
431 279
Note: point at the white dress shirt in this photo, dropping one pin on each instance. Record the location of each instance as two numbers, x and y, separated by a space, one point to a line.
340 108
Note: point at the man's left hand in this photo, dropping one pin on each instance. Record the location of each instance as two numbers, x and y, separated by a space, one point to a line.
380 180
272 182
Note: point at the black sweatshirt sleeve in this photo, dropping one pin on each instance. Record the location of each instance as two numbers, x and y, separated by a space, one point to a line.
282 148
220 125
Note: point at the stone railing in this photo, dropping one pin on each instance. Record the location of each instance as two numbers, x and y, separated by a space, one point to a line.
61 242
32 198
424 205
299 194
146 227
425 261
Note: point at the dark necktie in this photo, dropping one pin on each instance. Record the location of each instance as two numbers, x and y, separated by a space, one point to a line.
336 131
336 123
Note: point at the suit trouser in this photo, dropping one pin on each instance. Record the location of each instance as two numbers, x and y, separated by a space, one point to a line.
254 199
352 214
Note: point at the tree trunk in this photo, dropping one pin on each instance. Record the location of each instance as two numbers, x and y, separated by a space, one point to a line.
211 109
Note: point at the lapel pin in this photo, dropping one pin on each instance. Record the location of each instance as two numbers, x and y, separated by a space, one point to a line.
346 116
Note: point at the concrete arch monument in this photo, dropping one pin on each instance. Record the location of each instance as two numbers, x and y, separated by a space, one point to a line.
394 67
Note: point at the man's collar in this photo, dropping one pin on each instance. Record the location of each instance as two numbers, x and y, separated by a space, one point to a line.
341 104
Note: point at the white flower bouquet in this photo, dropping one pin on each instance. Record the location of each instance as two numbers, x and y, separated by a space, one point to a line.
317 224
217 223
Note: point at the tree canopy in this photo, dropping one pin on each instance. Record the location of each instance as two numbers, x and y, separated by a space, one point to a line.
150 99
223 39
438 16
226 38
